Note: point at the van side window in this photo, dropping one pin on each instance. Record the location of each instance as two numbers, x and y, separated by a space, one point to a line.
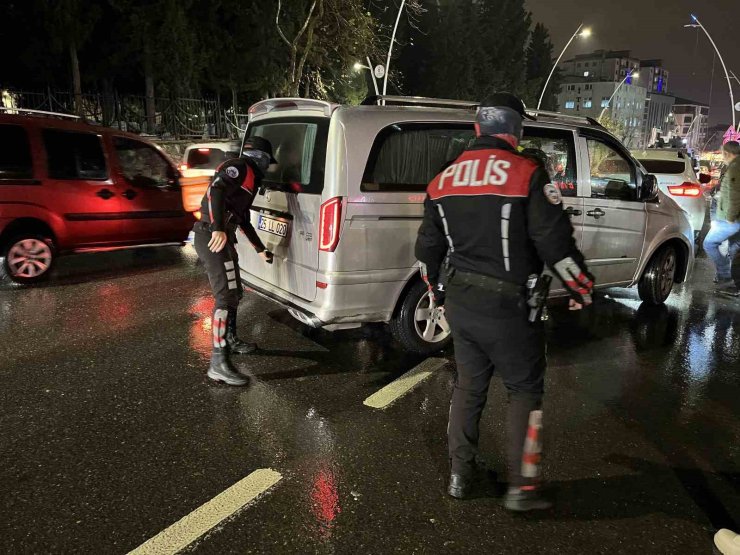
558 148
406 157
612 175
15 154
142 165
73 155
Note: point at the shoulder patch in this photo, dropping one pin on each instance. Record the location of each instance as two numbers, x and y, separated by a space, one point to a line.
232 172
552 194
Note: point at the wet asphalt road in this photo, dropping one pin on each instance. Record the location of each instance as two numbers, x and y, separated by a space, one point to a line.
110 431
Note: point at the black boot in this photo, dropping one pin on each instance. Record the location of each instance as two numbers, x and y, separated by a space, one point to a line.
459 486
236 345
221 369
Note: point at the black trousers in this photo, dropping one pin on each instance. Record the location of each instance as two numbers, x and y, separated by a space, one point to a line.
222 268
492 335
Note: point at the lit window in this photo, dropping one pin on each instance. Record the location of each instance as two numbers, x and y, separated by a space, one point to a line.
587 103
570 105
586 73
605 103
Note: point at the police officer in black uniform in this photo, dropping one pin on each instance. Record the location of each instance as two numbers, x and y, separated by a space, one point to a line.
226 206
492 219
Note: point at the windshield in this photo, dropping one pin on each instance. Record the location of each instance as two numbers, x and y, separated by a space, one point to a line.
664 166
299 146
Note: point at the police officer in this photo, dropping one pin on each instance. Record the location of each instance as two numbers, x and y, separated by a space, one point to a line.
495 219
225 206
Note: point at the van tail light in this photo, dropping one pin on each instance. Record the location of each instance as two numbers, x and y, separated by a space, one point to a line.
330 218
183 167
197 215
686 189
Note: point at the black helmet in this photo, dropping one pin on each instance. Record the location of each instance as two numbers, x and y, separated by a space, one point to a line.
506 100
258 143
501 114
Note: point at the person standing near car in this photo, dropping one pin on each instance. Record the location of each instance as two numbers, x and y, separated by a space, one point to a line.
726 223
226 206
496 219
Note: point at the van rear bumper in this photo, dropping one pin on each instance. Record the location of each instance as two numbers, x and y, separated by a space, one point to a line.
345 303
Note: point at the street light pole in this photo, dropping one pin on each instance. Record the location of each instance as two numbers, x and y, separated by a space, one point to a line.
390 48
697 23
586 33
369 67
608 102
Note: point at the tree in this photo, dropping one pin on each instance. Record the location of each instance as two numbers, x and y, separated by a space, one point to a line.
69 24
539 64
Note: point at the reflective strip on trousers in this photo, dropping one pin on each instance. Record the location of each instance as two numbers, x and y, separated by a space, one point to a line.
220 316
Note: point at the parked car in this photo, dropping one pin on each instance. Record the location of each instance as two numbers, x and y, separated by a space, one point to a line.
198 166
344 244
677 179
67 186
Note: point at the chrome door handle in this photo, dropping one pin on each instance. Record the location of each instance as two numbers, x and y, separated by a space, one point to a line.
572 211
596 213
105 194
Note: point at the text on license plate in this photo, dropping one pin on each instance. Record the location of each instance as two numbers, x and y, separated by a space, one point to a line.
276 227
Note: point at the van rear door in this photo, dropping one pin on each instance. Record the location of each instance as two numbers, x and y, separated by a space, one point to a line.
285 212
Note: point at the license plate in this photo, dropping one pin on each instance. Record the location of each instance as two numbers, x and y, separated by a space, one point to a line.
270 225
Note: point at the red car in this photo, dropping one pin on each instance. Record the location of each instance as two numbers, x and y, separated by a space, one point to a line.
67 186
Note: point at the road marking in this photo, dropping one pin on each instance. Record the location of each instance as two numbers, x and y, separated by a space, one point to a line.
191 527
400 387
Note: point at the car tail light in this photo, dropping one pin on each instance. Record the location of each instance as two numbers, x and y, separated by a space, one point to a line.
331 216
687 189
197 215
183 167
322 284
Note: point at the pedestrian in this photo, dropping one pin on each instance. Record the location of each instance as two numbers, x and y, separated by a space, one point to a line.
495 218
226 206
726 223
727 542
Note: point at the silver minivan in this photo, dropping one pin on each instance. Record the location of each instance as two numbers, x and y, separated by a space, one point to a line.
342 207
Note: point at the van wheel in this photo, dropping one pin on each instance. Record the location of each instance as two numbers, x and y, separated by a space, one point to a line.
417 326
656 283
27 258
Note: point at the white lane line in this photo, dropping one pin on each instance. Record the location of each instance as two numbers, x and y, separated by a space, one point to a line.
191 527
400 387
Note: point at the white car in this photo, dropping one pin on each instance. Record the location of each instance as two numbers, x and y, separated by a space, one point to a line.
678 180
202 159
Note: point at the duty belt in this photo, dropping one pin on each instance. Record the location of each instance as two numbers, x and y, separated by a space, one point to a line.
489 283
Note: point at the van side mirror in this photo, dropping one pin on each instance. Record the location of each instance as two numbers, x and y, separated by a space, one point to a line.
649 189
705 178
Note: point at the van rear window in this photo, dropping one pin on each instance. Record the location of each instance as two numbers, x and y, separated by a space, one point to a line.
299 146
15 154
407 156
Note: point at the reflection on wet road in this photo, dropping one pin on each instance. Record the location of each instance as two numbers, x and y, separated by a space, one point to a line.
111 432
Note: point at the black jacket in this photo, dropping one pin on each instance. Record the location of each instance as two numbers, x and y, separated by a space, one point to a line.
494 212
229 198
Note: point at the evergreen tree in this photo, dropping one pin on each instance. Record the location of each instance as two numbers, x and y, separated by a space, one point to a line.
539 64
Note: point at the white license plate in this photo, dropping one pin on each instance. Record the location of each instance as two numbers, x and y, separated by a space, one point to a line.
276 227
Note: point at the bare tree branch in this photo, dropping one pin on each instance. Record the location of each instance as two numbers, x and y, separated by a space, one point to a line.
277 24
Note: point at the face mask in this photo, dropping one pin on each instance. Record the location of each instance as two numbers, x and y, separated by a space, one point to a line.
262 159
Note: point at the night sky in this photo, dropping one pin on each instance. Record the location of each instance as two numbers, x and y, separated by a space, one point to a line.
654 29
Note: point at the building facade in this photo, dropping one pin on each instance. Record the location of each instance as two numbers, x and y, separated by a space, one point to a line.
692 122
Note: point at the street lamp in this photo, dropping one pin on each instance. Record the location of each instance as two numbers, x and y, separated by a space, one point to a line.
698 24
585 33
359 67
390 48
608 102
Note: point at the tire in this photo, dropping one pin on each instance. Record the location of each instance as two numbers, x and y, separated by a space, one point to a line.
27 258
410 333
657 281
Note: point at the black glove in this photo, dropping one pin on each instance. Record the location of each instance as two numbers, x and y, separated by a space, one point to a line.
268 257
440 293
577 280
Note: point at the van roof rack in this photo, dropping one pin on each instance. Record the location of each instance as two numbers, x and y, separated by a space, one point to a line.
565 117
24 111
272 104
385 100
